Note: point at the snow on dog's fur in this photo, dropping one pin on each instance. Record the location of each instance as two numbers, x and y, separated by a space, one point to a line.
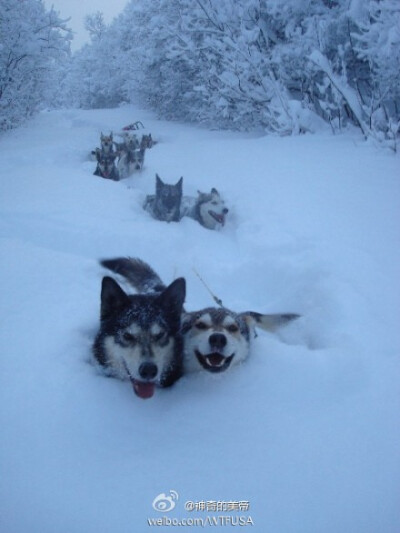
140 335
214 338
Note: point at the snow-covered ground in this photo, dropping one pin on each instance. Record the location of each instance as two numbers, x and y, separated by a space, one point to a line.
307 430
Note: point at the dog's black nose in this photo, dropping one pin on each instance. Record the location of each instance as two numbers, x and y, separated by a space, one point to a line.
148 370
217 341
225 210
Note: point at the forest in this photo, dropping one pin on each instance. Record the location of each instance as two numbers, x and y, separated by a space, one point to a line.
278 66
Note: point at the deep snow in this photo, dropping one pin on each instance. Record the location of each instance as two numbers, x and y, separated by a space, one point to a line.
306 430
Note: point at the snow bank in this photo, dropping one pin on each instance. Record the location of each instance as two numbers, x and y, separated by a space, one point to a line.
306 430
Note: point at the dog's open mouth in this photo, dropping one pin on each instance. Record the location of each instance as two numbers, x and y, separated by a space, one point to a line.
143 389
214 361
219 218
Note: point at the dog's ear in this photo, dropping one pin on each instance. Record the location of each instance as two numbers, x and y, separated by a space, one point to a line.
159 182
214 191
113 298
172 300
187 322
268 322
179 183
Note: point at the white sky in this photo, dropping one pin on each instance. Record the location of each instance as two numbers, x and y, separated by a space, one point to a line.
78 9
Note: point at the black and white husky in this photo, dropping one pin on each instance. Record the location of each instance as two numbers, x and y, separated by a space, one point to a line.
130 161
131 155
140 335
214 338
166 203
106 167
208 209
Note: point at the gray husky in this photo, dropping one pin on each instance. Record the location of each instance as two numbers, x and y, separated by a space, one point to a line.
214 338
166 203
208 209
140 335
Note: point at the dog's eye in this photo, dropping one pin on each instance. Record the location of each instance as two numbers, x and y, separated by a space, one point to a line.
128 337
186 326
201 325
214 203
159 336
233 328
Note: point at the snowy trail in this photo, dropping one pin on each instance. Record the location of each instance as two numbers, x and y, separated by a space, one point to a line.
306 430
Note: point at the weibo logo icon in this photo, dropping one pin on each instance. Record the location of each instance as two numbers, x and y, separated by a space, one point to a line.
164 503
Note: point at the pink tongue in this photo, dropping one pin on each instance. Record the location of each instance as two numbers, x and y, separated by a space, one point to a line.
142 389
220 219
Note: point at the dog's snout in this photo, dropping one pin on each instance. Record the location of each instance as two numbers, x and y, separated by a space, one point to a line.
225 210
148 370
170 202
217 341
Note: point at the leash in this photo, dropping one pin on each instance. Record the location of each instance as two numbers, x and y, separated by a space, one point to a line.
217 300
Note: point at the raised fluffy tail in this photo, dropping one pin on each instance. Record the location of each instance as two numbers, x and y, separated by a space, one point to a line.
139 274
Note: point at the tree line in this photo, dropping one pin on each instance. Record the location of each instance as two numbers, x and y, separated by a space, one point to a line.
280 66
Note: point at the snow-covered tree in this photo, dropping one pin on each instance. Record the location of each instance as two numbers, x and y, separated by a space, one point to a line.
94 77
377 43
95 25
284 66
33 43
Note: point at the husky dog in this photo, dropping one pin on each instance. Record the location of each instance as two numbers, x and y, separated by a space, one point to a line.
147 141
166 203
214 338
208 209
107 145
131 155
106 165
139 337
130 160
138 158
217 338
129 142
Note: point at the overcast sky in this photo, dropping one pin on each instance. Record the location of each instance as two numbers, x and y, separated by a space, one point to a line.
78 9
